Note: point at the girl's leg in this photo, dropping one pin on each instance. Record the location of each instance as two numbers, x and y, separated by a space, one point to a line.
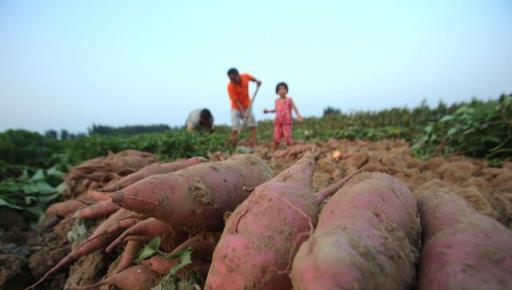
287 130
278 134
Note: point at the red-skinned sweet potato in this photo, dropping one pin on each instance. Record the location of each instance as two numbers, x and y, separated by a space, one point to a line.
150 170
195 198
97 210
104 234
139 277
262 235
148 229
128 256
366 238
463 249
64 208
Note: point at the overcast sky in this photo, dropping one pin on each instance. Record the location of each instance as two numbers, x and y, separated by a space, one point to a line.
69 64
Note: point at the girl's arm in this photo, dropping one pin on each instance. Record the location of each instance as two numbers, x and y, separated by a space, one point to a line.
299 117
270 111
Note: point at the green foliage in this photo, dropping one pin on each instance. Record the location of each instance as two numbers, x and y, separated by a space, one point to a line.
176 143
32 193
149 249
21 147
479 129
185 259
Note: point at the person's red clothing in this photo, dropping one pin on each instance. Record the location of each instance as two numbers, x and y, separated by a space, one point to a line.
284 111
280 131
240 92
283 121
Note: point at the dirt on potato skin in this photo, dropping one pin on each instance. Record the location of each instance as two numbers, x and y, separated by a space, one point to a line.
25 255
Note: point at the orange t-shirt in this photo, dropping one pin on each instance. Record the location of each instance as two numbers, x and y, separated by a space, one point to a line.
240 91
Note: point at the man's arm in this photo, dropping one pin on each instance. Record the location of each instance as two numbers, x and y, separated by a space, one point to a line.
239 107
234 98
257 81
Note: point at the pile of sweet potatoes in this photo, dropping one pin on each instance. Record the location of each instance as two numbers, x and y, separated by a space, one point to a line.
243 229
181 203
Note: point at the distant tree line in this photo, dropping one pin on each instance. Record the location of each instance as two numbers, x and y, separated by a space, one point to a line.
107 131
127 130
62 135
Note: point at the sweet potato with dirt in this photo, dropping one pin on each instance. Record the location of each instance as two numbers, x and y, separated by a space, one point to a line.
201 244
152 169
164 265
195 198
262 235
148 229
104 234
128 256
366 238
97 210
64 208
139 277
463 249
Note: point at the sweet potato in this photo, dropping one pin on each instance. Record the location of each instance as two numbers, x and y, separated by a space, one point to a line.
202 245
96 195
195 198
128 255
65 208
97 210
139 277
163 265
366 238
152 169
104 234
462 248
261 236
148 229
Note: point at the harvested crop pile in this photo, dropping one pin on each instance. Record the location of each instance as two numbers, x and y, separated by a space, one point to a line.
164 219
96 173
166 206
261 236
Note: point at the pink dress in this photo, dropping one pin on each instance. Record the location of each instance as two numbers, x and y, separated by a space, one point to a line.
283 121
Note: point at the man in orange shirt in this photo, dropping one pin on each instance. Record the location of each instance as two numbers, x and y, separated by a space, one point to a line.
238 91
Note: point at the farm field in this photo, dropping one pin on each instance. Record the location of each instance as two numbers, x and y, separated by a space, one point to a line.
464 148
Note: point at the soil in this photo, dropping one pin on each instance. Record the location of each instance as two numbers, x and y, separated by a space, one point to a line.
27 254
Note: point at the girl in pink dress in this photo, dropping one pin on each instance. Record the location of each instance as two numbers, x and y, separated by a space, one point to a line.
283 109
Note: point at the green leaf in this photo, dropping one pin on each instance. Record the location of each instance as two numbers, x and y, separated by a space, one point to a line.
447 118
39 175
185 259
3 202
30 199
48 198
62 187
150 249
34 210
55 172
44 188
